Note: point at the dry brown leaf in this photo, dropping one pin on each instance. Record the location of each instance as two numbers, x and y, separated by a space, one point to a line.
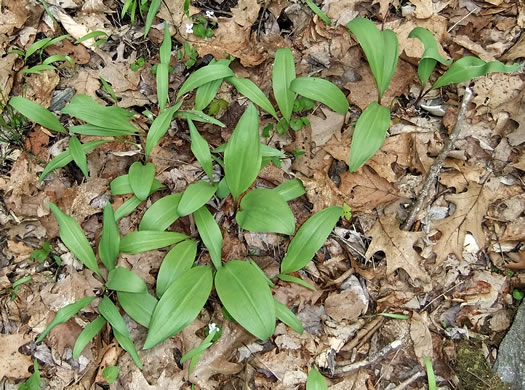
398 247
6 76
346 305
324 128
427 8
86 84
41 86
516 51
13 364
13 15
514 231
421 337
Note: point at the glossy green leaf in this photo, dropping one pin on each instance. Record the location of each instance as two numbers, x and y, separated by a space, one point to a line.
468 68
431 55
153 8
178 260
310 238
287 317
98 131
74 239
109 246
247 297
282 76
321 90
36 113
120 185
110 374
290 189
161 214
222 189
138 306
195 196
57 58
165 48
37 69
147 240
122 279
381 49
199 116
201 150
265 211
206 92
242 157
34 381
140 178
127 208
110 312
431 377
180 304
248 88
78 155
315 380
204 75
41 43
163 69
268 151
369 134
318 12
296 280
210 234
261 272
159 127
87 334
64 314
91 35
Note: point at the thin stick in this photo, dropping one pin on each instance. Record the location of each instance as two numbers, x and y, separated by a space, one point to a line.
438 162
403 385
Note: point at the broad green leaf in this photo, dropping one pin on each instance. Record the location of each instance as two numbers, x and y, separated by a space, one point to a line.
110 312
315 380
369 134
91 35
159 127
205 94
247 297
222 189
381 50
64 314
290 189
74 239
310 238
153 8
78 155
109 246
120 185
65 158
87 334
122 279
99 131
265 211
468 68
36 46
204 75
286 316
127 208
296 280
147 240
180 304
178 260
38 68
248 88
140 178
56 58
242 157
268 151
321 90
138 306
36 113
199 116
195 196
110 374
201 150
431 55
165 48
261 272
282 75
34 381
431 378
163 69
161 214
210 234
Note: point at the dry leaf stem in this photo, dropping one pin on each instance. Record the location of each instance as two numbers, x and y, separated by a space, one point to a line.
435 169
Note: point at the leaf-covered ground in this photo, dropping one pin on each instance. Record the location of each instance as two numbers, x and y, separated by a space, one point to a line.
453 275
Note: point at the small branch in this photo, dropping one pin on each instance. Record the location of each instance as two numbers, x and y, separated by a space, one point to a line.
403 385
438 162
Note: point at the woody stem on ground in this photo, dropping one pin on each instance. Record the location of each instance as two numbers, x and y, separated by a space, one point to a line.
438 162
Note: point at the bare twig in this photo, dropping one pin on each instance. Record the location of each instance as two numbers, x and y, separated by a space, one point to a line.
403 385
438 162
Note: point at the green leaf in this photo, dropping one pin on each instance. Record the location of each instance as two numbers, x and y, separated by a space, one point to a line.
140 178
36 46
75 148
310 238
282 75
33 382
369 134
265 211
394 315
296 280
206 92
165 48
210 234
91 35
322 91
315 380
178 260
290 189
242 157
247 297
108 248
248 88
222 189
87 334
180 304
64 314
286 316
110 312
161 214
318 12
120 185
36 113
127 208
431 55
432 385
163 69
74 239
205 75
261 272
153 8
268 151
381 50
195 196
110 373
122 279
38 68
98 131
201 150
199 116
138 306
159 127
468 68
147 240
